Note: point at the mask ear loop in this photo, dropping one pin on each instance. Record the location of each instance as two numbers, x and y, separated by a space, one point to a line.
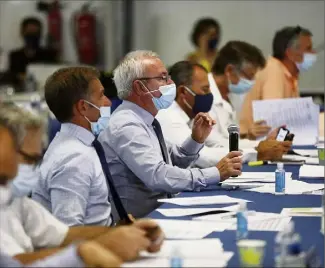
184 100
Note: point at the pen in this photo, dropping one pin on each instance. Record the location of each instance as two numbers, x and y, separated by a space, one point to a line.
257 163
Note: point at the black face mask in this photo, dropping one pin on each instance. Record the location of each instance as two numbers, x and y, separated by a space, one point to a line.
213 43
32 40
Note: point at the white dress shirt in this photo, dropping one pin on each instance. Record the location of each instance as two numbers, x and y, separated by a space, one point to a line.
25 225
225 115
176 126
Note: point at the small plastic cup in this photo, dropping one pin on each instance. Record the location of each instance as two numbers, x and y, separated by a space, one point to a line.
321 155
251 252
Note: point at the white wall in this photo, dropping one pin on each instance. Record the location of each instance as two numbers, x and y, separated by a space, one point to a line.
12 12
165 26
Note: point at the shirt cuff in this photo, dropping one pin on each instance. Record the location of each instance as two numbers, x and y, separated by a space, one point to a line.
211 175
65 258
191 146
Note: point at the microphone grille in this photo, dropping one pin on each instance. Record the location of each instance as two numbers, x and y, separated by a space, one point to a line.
233 128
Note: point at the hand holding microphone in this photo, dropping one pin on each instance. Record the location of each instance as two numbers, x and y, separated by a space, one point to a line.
231 165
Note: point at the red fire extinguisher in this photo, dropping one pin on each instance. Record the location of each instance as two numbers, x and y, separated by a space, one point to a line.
85 35
54 21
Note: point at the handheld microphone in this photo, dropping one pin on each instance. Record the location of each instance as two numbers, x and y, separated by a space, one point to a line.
233 131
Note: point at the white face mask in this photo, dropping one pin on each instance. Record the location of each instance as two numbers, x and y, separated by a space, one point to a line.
25 181
5 196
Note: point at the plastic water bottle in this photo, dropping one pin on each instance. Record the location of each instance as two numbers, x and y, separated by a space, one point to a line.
242 223
176 259
280 176
288 248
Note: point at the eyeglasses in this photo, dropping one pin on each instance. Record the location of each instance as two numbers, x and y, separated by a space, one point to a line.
32 159
160 78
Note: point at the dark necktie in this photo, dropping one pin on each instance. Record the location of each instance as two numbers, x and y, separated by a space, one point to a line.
163 147
116 198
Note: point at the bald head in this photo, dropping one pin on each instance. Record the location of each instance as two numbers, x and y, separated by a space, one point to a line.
8 156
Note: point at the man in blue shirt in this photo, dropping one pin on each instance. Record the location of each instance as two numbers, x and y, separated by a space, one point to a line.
25 225
72 185
143 167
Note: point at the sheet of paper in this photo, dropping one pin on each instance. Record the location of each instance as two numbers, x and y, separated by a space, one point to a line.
311 171
190 262
195 253
180 212
257 221
309 153
292 187
288 112
177 229
303 212
202 200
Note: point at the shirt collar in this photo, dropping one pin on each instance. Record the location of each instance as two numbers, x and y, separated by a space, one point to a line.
145 115
82 134
217 98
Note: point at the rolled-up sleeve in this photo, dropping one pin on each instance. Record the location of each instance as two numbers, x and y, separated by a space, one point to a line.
133 146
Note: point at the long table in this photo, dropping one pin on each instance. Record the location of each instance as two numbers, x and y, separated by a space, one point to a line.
307 227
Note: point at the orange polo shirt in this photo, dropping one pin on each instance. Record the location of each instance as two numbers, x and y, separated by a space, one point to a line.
273 82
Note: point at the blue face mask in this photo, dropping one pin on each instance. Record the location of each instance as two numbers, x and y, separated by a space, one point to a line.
102 122
307 62
202 103
25 181
166 99
213 43
243 86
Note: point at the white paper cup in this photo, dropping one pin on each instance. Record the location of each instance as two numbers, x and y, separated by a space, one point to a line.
251 252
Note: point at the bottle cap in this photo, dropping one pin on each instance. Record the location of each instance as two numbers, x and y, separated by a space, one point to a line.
280 165
242 206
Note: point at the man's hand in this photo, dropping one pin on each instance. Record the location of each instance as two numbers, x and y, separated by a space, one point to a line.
125 241
274 133
94 255
258 129
272 150
202 127
153 232
230 165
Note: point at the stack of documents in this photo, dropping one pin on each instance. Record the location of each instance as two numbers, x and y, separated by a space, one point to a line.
288 112
303 212
181 212
257 221
202 200
254 179
311 171
194 253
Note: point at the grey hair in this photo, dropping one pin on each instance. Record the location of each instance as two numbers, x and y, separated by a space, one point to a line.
11 119
294 42
129 69
19 120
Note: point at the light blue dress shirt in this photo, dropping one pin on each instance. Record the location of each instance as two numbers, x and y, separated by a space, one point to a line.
72 185
136 163
65 258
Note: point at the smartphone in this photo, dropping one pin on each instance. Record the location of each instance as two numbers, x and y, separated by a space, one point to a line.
282 134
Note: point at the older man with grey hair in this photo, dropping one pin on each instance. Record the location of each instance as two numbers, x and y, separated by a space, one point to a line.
30 150
144 168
